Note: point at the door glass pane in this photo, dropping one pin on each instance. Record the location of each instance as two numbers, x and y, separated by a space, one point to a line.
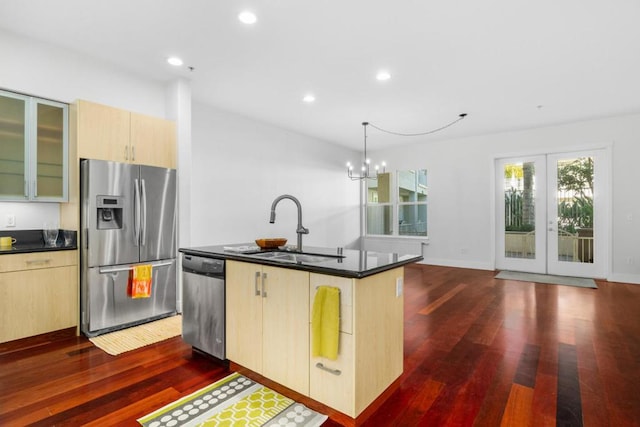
519 210
575 210
412 198
12 145
50 150
379 212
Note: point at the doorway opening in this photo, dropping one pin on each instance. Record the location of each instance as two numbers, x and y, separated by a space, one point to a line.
552 216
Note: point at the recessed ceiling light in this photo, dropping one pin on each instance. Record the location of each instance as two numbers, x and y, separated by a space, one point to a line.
309 98
247 17
174 60
383 75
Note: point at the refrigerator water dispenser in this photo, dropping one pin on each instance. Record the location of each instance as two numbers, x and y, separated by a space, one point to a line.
109 210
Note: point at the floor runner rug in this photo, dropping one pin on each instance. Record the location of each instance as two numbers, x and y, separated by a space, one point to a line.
545 278
234 401
118 342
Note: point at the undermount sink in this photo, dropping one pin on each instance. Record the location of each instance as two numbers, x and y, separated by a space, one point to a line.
296 257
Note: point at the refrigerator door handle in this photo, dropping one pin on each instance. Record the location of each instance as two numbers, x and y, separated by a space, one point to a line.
143 216
107 270
136 212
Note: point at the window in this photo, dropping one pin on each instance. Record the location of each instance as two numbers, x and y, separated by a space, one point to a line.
33 148
397 205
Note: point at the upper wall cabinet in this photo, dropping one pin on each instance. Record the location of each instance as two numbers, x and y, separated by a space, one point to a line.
33 148
107 133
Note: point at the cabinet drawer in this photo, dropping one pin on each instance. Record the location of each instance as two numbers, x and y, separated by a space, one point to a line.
37 260
346 297
331 382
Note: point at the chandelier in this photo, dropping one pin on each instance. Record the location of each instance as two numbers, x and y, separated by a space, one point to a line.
365 168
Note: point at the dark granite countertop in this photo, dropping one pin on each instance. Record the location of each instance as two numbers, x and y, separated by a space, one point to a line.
353 263
28 241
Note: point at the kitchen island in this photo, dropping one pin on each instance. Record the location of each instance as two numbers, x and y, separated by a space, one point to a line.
269 296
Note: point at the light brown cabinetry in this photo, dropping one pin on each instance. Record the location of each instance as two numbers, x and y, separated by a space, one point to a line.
108 133
267 327
370 354
38 293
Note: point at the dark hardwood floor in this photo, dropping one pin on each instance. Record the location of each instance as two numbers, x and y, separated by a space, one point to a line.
478 351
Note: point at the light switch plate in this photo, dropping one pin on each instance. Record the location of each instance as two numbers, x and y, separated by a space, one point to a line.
399 284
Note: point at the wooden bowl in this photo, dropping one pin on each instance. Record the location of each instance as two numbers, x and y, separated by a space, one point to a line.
270 243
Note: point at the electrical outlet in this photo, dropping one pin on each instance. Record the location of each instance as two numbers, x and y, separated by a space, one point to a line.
11 220
399 284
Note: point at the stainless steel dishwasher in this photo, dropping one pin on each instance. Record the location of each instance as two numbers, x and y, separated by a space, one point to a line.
203 305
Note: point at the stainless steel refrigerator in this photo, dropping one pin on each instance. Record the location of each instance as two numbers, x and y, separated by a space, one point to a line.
128 218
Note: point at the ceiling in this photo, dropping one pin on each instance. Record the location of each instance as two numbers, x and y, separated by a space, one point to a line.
508 64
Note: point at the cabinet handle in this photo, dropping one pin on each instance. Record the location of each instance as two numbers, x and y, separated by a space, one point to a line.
331 371
264 285
133 153
126 152
256 283
38 261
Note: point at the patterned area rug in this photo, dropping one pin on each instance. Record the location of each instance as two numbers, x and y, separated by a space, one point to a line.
234 401
545 278
118 342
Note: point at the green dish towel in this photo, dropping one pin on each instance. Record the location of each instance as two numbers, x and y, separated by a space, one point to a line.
325 323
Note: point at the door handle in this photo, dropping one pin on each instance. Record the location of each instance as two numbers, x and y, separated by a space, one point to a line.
255 283
106 270
143 215
331 371
136 212
264 285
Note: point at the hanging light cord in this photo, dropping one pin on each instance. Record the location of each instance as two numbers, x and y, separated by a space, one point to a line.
460 117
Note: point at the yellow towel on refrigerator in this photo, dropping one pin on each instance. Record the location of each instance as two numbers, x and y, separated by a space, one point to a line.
140 280
325 323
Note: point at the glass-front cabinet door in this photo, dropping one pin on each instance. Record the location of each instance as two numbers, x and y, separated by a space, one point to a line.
33 148
13 138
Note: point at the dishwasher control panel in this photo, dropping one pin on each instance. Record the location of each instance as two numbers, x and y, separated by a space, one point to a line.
202 265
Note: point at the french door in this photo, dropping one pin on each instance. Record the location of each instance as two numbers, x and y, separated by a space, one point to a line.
552 213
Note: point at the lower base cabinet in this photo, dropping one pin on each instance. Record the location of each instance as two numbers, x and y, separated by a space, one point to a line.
267 327
370 352
269 331
38 293
331 381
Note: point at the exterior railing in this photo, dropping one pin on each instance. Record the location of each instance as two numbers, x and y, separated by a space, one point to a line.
571 247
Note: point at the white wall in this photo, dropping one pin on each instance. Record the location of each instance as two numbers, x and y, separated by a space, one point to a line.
461 191
47 71
240 166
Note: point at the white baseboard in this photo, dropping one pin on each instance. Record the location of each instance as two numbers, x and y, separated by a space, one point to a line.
475 265
625 278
